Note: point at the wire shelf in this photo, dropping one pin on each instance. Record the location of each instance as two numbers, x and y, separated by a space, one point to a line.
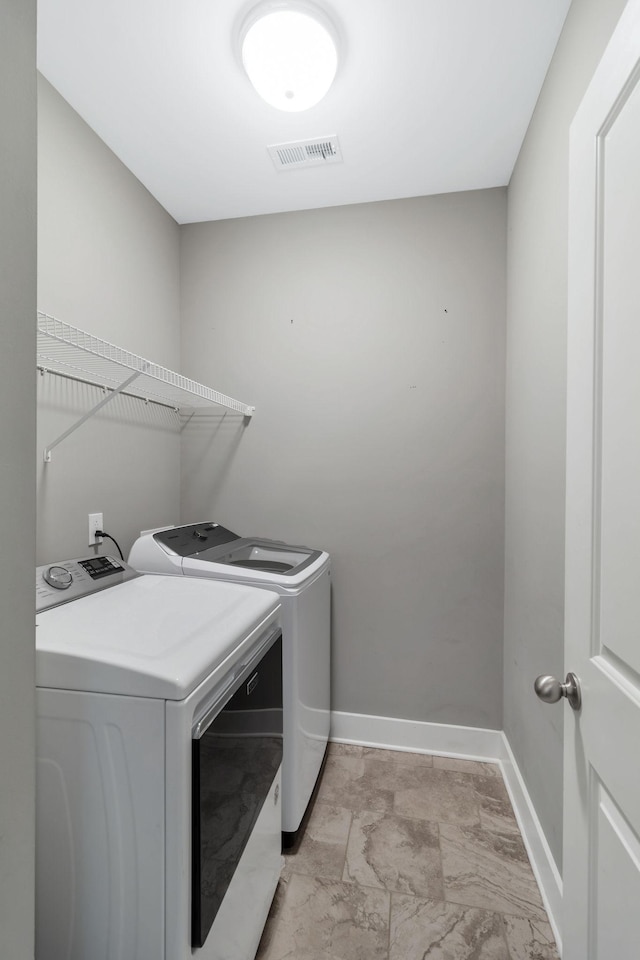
67 350
70 352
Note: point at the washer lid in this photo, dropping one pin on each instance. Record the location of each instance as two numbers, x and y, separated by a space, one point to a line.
149 637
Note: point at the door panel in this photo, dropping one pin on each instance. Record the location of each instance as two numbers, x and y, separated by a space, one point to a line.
620 383
602 629
616 891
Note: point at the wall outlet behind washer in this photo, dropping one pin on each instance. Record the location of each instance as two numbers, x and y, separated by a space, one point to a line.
95 523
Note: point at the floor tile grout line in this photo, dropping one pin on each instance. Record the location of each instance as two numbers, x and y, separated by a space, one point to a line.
404 893
503 928
441 861
504 913
405 816
346 846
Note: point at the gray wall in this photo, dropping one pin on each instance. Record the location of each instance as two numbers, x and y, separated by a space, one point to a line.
371 339
17 435
108 262
535 404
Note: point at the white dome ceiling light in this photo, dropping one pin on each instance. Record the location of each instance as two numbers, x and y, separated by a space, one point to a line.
290 53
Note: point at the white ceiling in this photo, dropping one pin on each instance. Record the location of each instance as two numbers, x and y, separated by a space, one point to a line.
431 96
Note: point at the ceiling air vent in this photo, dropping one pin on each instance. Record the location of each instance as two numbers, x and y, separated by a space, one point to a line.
305 153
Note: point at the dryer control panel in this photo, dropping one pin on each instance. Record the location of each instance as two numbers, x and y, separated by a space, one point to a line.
67 580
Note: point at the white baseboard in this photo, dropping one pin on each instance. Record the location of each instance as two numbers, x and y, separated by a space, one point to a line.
542 860
469 743
472 743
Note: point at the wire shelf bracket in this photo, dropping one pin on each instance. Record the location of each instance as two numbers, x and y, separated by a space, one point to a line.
70 352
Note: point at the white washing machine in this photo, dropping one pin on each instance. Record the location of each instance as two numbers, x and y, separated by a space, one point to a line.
159 745
301 578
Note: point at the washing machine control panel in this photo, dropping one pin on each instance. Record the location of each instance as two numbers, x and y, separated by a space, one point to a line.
193 538
67 580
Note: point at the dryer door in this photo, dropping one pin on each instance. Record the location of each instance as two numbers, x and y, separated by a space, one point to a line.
236 753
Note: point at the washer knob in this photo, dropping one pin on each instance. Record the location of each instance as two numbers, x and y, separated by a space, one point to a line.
58 577
199 535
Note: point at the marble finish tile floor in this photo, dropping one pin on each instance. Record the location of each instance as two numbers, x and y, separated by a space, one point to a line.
408 857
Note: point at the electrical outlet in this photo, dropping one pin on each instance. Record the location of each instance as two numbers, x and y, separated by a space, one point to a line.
95 523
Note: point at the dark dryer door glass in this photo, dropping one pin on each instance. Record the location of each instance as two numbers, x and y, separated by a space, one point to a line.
234 763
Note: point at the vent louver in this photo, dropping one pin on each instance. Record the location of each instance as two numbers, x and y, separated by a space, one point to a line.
305 153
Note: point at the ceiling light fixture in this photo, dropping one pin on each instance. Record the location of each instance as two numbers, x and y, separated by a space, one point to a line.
290 53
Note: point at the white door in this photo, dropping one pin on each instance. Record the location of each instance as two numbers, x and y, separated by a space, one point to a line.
602 639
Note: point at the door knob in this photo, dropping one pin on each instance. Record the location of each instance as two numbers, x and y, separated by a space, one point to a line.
551 690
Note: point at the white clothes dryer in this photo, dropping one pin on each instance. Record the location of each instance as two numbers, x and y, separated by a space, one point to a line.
301 578
159 745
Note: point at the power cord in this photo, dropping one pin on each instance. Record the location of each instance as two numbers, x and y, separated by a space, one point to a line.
102 533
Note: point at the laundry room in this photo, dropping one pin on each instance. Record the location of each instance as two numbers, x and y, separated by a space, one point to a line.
402 358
